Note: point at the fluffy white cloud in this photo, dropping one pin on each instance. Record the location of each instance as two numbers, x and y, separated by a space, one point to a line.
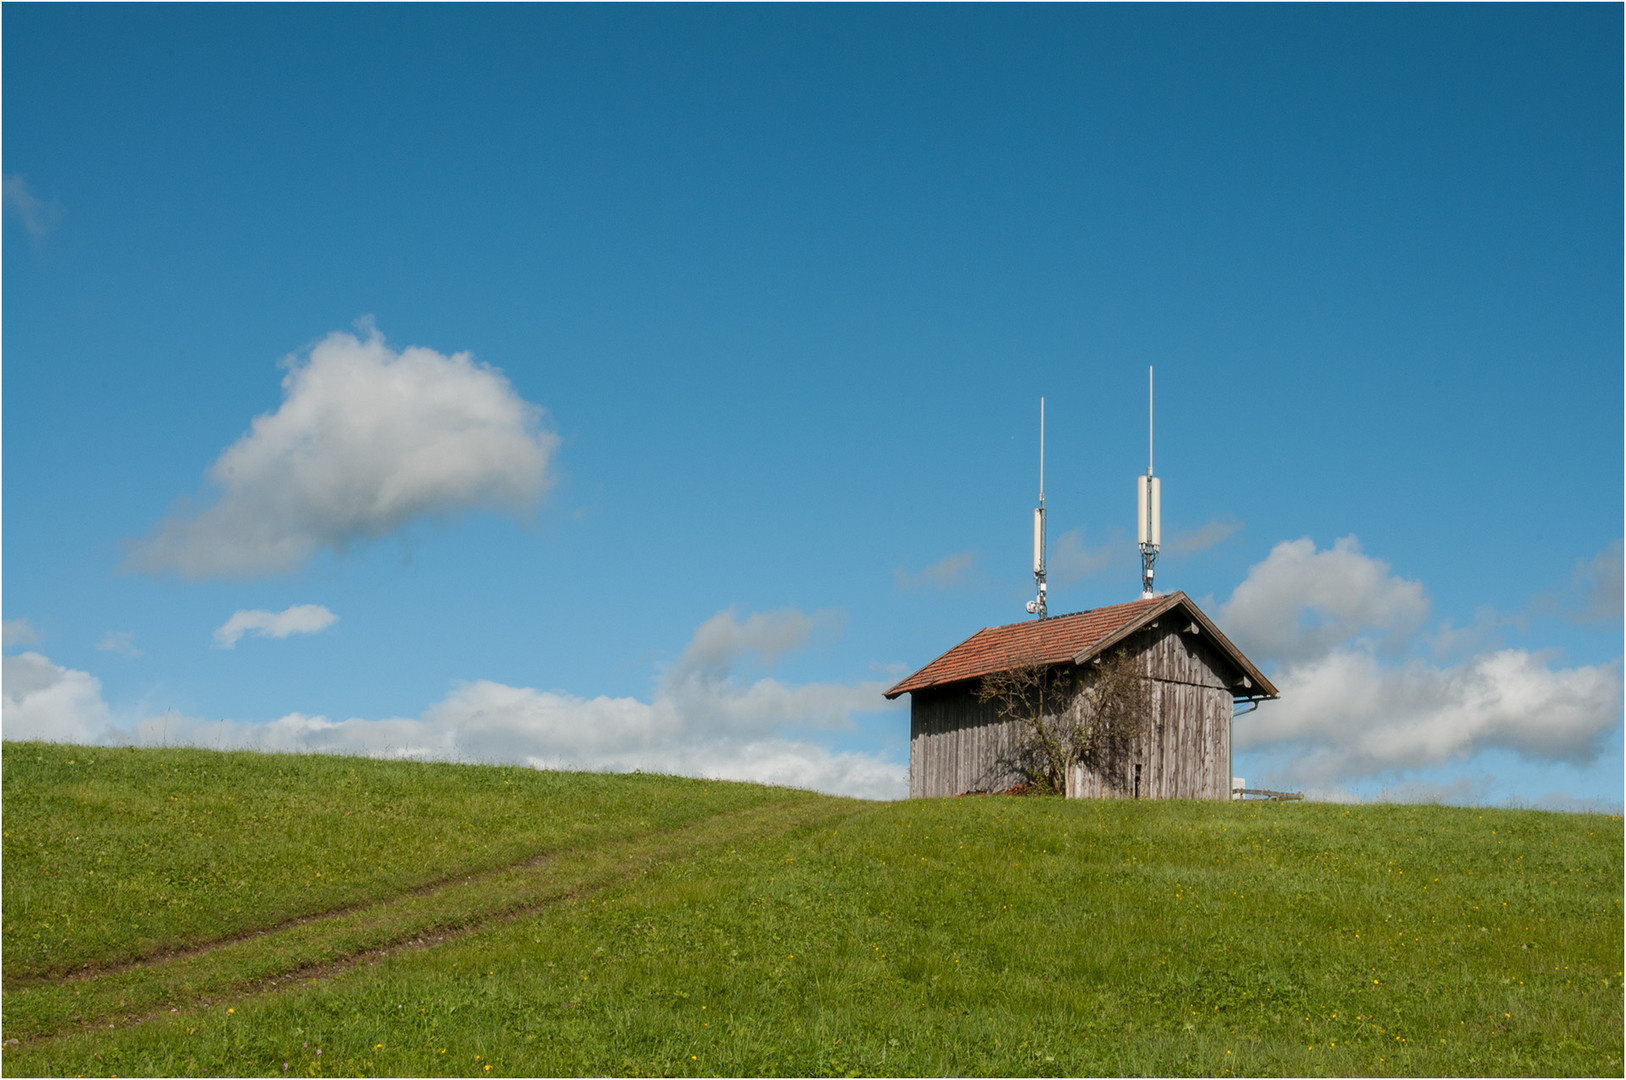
702 720
1347 712
1300 602
17 632
366 440
299 619
1347 715
945 573
43 701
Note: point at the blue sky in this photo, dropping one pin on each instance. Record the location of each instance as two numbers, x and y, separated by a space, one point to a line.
758 304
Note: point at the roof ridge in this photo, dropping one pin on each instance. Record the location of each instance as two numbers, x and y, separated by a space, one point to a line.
1086 611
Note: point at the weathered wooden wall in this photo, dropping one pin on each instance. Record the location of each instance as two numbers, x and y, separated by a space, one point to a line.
958 744
1185 751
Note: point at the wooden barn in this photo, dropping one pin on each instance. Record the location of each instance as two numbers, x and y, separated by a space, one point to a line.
960 744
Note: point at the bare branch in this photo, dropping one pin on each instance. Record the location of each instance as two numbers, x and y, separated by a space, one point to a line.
1095 717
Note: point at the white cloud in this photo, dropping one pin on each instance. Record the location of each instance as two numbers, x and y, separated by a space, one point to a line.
1484 632
17 632
1300 602
119 641
37 215
723 640
702 720
1601 584
1207 535
366 441
43 701
1347 715
1347 712
945 573
299 619
1068 560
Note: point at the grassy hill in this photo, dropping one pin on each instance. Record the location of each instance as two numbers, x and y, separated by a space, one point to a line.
182 911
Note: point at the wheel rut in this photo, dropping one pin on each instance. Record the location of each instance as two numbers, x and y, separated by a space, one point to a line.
311 948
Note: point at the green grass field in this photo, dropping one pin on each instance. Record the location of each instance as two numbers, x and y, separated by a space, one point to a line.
186 912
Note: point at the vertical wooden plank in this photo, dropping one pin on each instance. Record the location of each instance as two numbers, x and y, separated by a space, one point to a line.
1175 754
940 741
1159 740
1172 693
940 729
1219 779
1196 733
927 739
1203 698
1182 693
939 748
929 753
967 775
1201 767
1194 743
914 746
970 765
946 748
1179 755
1158 762
1213 763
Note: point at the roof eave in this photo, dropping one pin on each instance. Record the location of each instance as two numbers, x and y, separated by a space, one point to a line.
903 686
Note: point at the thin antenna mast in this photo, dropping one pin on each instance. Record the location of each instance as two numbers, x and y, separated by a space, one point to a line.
1149 527
1037 605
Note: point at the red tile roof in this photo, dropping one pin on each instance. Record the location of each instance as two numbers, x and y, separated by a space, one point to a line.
1060 640
1040 641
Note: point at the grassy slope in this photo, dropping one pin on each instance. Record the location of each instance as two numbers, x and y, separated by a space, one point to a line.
491 921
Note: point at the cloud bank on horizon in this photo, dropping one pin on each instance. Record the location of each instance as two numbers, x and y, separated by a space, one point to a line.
1334 625
702 720
366 441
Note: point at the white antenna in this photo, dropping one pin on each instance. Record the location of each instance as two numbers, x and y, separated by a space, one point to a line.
1148 504
1037 606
